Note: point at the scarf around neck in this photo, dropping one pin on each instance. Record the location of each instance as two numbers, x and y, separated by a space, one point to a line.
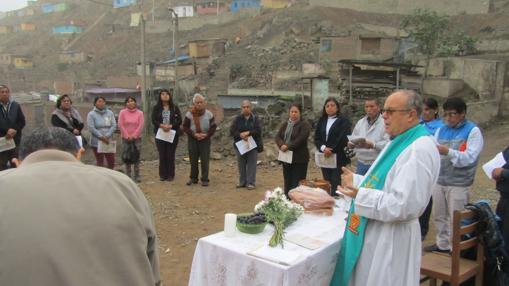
289 130
67 117
196 118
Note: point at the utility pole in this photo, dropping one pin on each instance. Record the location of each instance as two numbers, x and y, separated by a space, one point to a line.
153 11
175 20
144 77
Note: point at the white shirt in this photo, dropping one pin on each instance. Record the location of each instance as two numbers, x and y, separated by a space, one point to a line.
330 121
475 143
391 254
374 133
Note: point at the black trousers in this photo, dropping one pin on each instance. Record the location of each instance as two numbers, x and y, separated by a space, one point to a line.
424 219
503 212
166 152
199 150
5 158
334 178
293 173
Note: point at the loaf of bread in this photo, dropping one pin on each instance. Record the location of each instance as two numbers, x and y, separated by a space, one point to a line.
313 200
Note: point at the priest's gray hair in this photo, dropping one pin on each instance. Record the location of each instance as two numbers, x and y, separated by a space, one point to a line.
48 138
196 96
414 100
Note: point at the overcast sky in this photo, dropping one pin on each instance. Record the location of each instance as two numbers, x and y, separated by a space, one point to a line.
8 5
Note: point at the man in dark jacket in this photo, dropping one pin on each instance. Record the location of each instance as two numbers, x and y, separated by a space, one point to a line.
12 122
501 176
246 125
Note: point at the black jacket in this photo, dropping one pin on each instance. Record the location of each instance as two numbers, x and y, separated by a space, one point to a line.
57 122
298 141
503 185
175 118
14 119
240 124
336 140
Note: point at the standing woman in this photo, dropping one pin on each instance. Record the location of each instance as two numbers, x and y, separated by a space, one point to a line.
330 139
430 118
166 115
66 116
130 123
101 124
293 136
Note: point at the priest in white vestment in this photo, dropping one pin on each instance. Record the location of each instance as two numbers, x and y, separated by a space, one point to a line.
390 253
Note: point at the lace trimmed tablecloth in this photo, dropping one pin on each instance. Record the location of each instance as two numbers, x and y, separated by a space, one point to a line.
223 261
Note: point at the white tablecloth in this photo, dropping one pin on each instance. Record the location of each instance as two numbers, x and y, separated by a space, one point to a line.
222 261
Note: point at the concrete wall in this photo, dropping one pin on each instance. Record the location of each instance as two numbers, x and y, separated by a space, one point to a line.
450 7
358 47
186 24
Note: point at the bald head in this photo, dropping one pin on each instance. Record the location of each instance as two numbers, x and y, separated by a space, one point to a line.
401 111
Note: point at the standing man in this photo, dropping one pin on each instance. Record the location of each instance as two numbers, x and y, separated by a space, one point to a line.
382 240
200 126
12 122
243 126
460 144
85 226
370 127
501 176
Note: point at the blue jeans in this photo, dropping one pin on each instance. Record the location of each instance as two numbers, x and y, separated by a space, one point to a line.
362 169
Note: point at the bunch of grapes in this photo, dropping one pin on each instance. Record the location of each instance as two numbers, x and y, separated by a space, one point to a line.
252 219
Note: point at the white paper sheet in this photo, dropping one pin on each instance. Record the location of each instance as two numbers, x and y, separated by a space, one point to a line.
166 136
304 241
275 254
80 140
245 146
6 144
497 162
107 148
285 157
325 162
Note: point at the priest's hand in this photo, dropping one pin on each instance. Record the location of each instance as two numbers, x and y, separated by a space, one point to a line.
348 191
346 177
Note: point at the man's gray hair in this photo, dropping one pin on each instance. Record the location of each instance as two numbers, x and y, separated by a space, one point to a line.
414 100
245 101
196 96
48 138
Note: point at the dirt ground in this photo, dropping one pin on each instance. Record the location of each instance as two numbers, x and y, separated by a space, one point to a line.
183 214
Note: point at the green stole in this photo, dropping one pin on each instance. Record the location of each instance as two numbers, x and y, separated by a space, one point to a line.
353 238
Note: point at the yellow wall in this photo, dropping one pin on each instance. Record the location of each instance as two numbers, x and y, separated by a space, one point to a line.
5 30
199 49
23 63
27 27
275 4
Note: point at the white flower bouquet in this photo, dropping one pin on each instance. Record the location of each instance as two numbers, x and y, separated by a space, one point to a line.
280 211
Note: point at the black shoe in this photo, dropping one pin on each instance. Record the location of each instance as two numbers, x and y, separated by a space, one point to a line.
240 186
205 183
190 182
434 248
162 179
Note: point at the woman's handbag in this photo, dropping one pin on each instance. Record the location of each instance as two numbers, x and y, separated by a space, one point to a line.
130 154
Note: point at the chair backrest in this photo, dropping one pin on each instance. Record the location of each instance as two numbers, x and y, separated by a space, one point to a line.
464 223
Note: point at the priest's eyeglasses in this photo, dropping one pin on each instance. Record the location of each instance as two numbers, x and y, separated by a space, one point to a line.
391 111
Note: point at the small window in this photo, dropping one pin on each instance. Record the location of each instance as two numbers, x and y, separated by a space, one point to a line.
326 46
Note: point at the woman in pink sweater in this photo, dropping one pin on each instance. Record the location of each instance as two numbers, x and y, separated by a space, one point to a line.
130 122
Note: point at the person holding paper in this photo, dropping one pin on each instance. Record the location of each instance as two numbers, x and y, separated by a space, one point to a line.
101 124
166 118
130 123
246 125
370 134
331 140
460 143
199 125
293 136
381 244
501 176
12 121
66 116
63 220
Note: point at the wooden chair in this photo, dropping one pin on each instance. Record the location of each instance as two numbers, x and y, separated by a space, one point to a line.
453 268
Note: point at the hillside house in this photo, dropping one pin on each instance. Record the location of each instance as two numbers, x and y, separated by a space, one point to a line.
5 59
211 8
184 11
72 57
237 5
51 8
206 48
112 95
377 48
26 12
31 3
67 29
276 4
27 27
4 29
22 62
123 3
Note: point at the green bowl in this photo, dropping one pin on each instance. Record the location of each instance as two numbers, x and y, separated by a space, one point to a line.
250 228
